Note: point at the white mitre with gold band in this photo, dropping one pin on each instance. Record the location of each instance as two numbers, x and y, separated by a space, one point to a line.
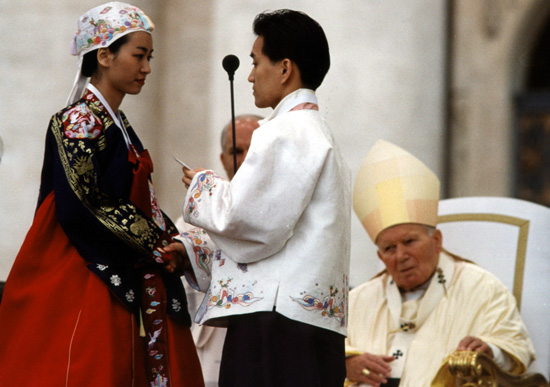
394 187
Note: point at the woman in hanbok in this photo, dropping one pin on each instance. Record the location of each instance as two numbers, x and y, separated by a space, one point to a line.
93 299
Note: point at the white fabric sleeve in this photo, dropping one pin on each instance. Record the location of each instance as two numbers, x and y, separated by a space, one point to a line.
500 324
253 216
201 251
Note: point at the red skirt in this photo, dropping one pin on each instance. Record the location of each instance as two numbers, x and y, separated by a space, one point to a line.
61 326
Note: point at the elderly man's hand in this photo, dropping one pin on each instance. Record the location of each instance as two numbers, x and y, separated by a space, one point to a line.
368 368
470 343
188 175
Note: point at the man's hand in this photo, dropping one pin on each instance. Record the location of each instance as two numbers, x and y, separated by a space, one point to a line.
470 343
188 175
368 368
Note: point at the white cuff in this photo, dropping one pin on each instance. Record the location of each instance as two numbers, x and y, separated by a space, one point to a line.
501 358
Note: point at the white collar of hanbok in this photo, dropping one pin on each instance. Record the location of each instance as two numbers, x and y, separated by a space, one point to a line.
434 294
117 118
290 102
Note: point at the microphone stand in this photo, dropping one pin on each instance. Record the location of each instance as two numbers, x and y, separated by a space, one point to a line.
233 125
230 64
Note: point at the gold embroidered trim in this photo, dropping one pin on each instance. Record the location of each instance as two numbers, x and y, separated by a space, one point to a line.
121 219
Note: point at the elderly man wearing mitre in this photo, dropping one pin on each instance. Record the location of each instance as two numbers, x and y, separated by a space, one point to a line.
426 303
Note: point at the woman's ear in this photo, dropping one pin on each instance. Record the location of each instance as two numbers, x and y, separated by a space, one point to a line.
103 57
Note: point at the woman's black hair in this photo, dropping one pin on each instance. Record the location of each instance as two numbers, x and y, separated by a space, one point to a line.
296 36
89 62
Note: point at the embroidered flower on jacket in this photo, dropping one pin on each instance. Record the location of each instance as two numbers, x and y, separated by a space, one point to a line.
160 381
115 280
176 305
206 182
226 297
130 296
329 306
79 122
203 254
102 267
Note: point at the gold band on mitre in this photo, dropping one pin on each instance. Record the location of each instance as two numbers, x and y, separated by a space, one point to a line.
393 187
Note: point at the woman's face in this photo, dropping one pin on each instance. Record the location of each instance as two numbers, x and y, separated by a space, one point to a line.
130 66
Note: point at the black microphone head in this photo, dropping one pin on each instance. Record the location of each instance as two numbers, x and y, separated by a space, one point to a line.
230 63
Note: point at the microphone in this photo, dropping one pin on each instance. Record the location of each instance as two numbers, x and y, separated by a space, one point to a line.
230 63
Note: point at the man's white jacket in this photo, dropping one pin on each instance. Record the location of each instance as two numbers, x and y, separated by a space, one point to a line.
277 236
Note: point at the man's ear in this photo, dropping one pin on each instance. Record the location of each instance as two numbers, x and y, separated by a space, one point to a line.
103 57
287 67
438 237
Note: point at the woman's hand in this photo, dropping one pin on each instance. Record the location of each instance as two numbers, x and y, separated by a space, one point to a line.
179 261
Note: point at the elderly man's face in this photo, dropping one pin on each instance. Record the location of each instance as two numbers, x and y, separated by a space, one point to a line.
243 135
409 253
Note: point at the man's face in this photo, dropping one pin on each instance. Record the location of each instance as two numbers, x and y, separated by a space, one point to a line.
265 77
243 134
409 253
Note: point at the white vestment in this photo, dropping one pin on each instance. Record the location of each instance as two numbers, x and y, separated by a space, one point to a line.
277 236
461 300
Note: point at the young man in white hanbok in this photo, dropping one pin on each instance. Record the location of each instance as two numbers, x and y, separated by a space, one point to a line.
427 303
208 339
272 250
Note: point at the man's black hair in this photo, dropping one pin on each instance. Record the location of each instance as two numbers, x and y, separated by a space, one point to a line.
296 36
